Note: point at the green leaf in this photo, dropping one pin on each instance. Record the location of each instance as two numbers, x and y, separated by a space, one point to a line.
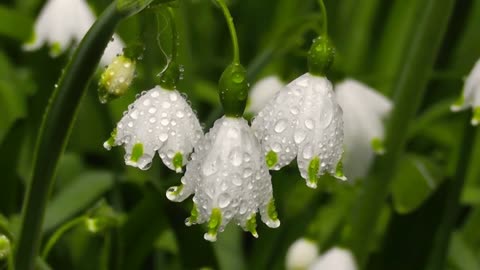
76 197
460 255
14 24
416 179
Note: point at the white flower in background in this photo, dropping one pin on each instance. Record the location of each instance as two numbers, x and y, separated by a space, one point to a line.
159 120
5 247
301 254
62 23
230 180
303 120
335 259
364 112
471 94
261 93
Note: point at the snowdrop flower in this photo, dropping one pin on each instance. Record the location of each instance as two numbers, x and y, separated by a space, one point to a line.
63 22
471 94
262 92
363 113
159 120
301 254
229 178
303 120
335 258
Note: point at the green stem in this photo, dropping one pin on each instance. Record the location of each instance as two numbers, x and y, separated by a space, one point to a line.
55 129
56 236
438 255
173 27
324 18
233 32
409 88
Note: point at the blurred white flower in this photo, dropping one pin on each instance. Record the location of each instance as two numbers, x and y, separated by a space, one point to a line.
261 93
230 180
301 254
364 111
63 22
471 94
159 120
5 247
303 120
335 259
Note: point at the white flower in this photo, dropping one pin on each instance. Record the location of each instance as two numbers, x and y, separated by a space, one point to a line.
159 120
303 120
364 111
335 259
471 94
301 254
230 180
262 92
63 22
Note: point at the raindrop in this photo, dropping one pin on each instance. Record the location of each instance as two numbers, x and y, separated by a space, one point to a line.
155 94
163 137
152 120
180 114
247 173
276 147
166 105
309 124
299 136
236 157
280 125
152 110
308 152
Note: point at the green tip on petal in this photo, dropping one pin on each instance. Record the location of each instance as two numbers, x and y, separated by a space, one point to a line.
213 225
193 215
339 171
252 225
178 162
111 141
137 152
56 49
272 210
271 159
459 103
476 116
378 146
5 247
313 168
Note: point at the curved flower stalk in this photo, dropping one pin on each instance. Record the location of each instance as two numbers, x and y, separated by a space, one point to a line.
364 111
303 121
230 180
335 258
301 254
159 120
471 94
261 93
63 22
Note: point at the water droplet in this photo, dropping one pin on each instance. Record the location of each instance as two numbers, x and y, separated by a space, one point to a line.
232 133
223 200
243 209
155 94
309 124
163 137
247 172
152 120
173 96
294 110
152 110
299 136
276 147
236 157
134 114
130 124
236 180
166 105
164 121
209 168
280 125
302 82
180 114
308 152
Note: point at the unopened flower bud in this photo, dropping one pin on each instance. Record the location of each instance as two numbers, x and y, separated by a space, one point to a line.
116 79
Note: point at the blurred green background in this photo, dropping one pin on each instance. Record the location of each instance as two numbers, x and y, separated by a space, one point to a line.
372 38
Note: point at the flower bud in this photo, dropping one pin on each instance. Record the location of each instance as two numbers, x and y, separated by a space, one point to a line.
320 56
233 87
102 218
116 79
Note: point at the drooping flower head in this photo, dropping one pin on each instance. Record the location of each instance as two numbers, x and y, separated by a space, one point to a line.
303 120
364 112
471 94
62 23
262 92
335 258
160 121
229 178
301 254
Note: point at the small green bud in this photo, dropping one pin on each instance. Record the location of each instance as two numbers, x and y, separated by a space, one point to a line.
170 76
5 247
102 218
116 79
320 56
233 88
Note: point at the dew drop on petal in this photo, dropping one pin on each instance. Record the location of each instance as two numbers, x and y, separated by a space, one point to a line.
276 147
280 125
247 172
309 124
166 105
236 157
307 152
180 114
224 200
299 136
163 137
134 114
152 110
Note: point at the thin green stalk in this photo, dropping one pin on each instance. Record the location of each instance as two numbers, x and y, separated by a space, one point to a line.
438 255
233 32
324 18
58 233
55 129
409 88
173 27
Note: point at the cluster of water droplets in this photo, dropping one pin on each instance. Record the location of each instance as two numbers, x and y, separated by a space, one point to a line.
303 120
159 120
227 171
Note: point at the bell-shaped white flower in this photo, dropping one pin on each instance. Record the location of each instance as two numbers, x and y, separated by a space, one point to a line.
63 22
364 112
159 120
261 93
303 120
471 94
301 254
335 258
229 178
